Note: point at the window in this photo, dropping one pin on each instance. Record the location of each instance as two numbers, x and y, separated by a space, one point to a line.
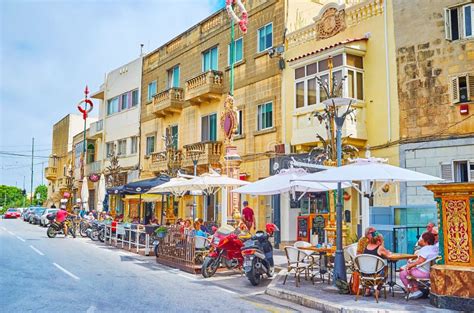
173 77
109 149
458 22
265 37
238 51
150 145
309 92
122 147
124 101
77 154
174 136
113 106
134 97
240 121
462 88
90 153
133 145
151 90
265 116
209 127
209 60
458 171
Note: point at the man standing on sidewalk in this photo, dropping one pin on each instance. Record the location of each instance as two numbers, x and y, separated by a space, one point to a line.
248 216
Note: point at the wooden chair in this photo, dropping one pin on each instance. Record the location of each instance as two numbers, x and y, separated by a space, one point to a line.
370 269
296 263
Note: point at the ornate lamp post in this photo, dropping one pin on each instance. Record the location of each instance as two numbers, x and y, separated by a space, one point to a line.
194 155
334 114
85 112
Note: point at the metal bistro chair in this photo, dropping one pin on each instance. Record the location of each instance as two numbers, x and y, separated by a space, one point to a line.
296 263
424 283
370 268
201 248
350 253
313 268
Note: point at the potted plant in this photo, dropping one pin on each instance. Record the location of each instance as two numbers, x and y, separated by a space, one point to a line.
161 231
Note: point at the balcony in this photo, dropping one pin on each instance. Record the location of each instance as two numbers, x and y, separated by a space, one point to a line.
96 129
161 160
93 168
51 173
168 101
210 154
204 87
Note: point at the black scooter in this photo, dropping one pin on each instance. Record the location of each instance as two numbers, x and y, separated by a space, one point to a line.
258 257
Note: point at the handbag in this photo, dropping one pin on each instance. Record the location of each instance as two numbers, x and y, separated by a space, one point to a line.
355 282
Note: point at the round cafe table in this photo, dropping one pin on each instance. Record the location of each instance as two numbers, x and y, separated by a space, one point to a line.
323 252
392 263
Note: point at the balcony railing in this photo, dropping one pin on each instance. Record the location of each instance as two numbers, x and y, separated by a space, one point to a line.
93 168
96 129
161 160
168 101
209 153
204 87
51 172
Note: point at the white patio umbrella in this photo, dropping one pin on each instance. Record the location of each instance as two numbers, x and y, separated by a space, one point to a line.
210 183
101 194
85 195
284 181
177 186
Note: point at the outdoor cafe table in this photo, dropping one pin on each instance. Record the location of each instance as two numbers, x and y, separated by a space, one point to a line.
323 253
392 263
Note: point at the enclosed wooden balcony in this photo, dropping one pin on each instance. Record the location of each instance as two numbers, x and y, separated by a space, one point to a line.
51 173
209 153
204 87
169 101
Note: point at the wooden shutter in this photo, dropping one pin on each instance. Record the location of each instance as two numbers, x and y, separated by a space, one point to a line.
447 171
447 24
470 87
455 89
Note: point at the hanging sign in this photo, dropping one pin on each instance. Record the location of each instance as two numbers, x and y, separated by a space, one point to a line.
94 178
243 20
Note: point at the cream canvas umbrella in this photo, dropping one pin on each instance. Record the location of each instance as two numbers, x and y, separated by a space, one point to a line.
85 195
210 183
177 186
101 194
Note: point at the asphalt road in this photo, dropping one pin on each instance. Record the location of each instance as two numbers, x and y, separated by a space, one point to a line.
38 274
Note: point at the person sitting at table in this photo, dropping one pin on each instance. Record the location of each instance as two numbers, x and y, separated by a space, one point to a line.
198 231
376 247
364 241
428 251
430 228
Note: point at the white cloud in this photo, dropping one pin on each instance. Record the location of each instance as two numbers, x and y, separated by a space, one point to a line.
50 49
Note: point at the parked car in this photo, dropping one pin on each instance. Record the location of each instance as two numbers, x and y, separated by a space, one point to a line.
35 216
26 214
12 213
43 220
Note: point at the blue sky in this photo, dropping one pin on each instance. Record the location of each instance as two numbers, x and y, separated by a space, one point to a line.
49 50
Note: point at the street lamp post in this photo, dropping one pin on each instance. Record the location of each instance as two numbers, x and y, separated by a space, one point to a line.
195 154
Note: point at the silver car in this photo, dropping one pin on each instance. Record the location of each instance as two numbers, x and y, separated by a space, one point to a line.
44 221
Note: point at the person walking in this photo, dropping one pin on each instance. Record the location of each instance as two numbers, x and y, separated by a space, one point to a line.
248 216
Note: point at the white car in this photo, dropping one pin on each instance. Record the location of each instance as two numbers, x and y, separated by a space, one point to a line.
44 221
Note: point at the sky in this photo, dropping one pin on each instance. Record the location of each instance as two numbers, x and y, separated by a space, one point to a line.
49 51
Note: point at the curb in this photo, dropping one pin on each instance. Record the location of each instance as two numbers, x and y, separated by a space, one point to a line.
311 302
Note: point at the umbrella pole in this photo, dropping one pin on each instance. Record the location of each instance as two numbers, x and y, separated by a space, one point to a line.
140 208
162 208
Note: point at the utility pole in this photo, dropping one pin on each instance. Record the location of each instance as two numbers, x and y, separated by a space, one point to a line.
24 190
32 156
42 173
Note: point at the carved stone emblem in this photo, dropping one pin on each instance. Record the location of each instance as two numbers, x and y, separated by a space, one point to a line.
331 22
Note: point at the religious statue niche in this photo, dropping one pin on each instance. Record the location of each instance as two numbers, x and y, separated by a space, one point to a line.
229 119
330 23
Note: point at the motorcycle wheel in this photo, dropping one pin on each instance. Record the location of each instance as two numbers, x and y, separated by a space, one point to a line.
95 235
72 232
253 276
101 236
83 230
209 267
51 232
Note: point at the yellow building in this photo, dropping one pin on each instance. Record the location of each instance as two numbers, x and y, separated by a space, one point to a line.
358 37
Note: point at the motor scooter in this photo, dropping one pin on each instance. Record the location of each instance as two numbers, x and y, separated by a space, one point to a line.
258 255
225 250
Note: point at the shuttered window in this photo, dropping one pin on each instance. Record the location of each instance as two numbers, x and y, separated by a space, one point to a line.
447 171
462 88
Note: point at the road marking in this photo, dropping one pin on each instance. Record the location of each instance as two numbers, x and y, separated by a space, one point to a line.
4 228
91 309
226 290
36 250
187 277
11 233
66 271
20 238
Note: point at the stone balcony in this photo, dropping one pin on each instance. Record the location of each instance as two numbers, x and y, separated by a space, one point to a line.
161 160
169 101
96 129
93 168
204 87
209 154
51 172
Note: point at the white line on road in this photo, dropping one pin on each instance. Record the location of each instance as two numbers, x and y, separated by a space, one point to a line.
226 290
66 271
11 233
4 228
20 238
186 276
36 250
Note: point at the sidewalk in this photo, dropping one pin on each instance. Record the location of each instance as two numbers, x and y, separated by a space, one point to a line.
326 298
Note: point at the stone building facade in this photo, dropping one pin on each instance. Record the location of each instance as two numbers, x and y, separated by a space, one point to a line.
435 71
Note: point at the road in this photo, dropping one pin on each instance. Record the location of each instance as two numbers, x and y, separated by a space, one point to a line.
39 274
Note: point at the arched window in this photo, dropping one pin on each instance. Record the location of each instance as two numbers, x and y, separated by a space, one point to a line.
90 153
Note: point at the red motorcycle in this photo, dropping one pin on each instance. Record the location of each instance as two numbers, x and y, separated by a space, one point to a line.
225 249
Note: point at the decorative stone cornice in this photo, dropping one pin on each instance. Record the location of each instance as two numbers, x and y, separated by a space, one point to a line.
363 11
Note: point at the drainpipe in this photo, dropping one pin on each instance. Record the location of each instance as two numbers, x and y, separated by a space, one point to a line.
387 71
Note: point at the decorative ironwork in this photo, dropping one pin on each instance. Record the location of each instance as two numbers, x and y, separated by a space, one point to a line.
457 241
